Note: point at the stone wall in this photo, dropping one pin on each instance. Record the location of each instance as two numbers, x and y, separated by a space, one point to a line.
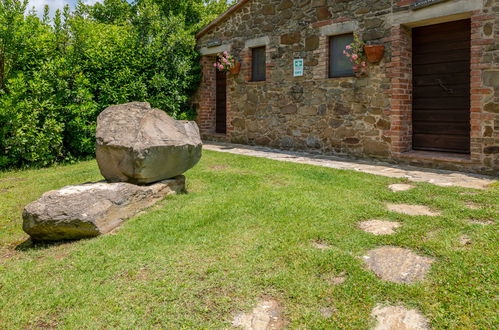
362 117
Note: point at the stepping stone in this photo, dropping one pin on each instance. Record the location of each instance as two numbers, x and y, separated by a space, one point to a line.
379 227
396 187
320 245
411 209
266 315
395 264
398 318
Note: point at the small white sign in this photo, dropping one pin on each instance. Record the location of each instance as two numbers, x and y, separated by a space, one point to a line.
298 67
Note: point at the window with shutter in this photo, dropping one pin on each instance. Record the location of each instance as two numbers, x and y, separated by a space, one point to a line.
339 65
258 64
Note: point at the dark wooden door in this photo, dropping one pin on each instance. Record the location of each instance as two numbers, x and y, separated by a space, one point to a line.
441 87
221 103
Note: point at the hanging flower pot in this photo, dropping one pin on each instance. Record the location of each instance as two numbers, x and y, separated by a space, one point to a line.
374 53
236 68
355 54
227 63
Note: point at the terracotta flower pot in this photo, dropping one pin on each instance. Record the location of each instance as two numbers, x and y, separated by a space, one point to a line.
374 53
235 70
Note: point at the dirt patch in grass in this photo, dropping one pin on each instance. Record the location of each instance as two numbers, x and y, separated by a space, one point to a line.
335 279
464 240
473 205
12 180
483 222
321 245
327 312
267 315
218 167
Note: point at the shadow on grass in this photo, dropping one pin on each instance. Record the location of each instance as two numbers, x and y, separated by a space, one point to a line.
29 244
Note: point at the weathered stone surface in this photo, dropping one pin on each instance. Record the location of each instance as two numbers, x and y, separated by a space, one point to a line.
379 227
91 209
267 315
395 264
140 145
412 209
396 187
398 318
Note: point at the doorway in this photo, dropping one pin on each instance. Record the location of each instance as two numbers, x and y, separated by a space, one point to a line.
441 87
221 102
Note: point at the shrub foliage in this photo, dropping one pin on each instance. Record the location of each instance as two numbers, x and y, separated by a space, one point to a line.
57 74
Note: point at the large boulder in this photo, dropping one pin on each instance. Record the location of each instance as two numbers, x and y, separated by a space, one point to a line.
140 145
91 209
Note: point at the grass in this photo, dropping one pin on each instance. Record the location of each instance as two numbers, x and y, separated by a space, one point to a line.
244 232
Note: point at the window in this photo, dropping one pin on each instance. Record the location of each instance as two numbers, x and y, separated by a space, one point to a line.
258 64
339 65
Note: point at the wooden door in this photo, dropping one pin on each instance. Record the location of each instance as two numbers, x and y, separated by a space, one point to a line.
221 103
441 87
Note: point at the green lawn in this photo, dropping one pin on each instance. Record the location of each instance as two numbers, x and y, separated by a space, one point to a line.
244 232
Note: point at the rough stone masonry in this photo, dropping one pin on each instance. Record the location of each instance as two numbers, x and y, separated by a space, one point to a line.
362 117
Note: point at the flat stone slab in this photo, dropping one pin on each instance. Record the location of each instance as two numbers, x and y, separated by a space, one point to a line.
398 318
91 209
399 265
267 315
396 187
442 178
379 227
410 209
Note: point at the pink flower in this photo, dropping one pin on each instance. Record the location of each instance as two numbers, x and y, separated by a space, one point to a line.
226 53
348 47
364 64
355 56
345 52
215 65
221 67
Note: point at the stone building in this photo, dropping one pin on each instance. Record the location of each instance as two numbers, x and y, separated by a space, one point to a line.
432 100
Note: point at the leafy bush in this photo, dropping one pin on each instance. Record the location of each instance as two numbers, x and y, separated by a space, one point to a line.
57 75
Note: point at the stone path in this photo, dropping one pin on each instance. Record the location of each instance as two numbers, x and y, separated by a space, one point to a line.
395 264
412 173
398 318
390 263
379 227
